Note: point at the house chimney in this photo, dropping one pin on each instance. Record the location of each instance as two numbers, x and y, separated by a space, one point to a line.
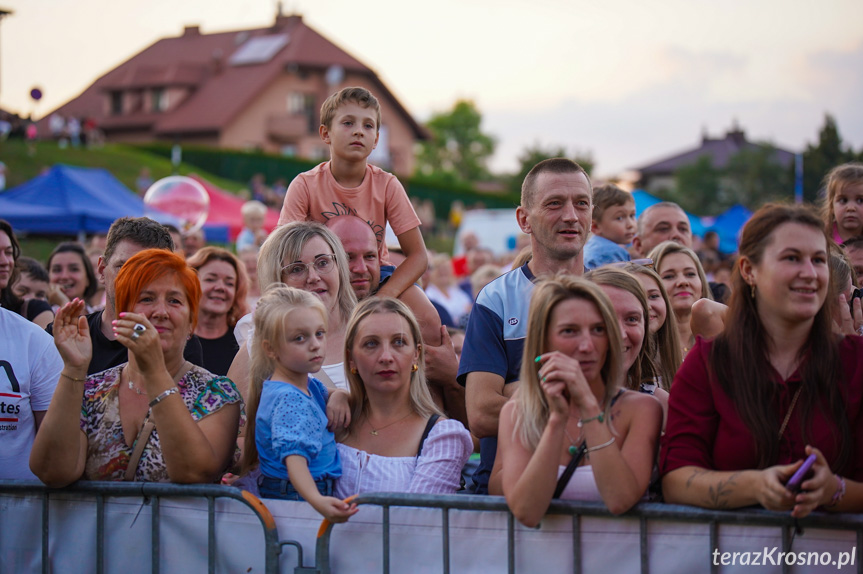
191 31
217 61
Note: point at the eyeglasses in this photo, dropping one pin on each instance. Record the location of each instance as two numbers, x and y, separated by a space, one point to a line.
300 271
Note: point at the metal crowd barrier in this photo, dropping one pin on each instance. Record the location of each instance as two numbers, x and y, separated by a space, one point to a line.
153 493
645 512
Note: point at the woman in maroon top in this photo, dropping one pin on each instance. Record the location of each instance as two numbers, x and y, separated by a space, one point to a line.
774 387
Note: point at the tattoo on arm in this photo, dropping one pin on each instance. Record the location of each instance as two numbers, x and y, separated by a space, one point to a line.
717 495
695 473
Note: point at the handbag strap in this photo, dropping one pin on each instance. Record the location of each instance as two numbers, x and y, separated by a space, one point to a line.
432 420
570 470
138 448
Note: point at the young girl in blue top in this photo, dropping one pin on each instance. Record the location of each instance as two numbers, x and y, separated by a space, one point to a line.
287 407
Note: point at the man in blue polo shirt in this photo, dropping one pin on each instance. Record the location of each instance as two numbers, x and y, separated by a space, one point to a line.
555 211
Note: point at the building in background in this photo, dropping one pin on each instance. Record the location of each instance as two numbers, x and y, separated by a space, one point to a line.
258 89
659 176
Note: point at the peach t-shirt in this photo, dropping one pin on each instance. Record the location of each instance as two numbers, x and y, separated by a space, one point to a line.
316 196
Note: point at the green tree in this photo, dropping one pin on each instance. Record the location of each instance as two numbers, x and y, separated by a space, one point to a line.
535 153
753 177
458 150
697 187
821 158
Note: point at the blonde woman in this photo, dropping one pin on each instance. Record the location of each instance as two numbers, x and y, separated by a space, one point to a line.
662 329
684 279
559 436
398 440
307 256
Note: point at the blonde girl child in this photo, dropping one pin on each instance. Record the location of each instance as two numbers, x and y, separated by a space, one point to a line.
842 209
287 407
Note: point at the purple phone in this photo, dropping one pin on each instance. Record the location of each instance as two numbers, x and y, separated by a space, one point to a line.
794 482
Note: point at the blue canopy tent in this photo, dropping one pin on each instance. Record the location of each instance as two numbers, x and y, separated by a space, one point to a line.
728 225
70 200
643 200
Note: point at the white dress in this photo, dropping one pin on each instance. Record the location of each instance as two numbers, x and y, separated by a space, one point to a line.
436 471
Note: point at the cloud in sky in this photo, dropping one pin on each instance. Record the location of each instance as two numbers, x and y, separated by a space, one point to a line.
691 92
629 80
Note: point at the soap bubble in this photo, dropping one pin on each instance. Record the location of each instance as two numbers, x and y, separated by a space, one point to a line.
182 198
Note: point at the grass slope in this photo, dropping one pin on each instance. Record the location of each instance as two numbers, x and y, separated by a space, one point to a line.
123 161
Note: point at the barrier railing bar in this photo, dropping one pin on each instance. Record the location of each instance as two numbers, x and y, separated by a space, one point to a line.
642 542
786 546
386 539
298 546
155 523
576 544
45 532
860 545
211 535
644 512
510 544
445 540
100 534
101 490
714 543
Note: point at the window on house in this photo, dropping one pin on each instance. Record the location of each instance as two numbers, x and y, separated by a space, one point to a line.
159 100
304 104
116 103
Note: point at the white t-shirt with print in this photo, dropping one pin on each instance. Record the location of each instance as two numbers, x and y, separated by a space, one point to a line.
29 369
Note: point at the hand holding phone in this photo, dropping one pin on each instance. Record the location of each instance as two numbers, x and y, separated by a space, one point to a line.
796 480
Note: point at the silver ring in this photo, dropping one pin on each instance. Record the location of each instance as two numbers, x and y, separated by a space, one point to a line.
135 335
139 328
860 330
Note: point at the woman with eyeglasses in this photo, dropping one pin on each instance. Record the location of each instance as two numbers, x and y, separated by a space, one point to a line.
307 256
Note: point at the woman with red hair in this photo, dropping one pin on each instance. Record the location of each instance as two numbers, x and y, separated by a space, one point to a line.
157 417
224 285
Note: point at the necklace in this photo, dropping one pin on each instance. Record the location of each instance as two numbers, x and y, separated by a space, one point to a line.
134 387
790 409
374 431
572 448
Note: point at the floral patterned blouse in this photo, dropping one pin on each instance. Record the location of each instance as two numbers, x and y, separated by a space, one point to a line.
107 453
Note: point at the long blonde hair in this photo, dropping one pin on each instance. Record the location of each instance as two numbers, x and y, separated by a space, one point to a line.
271 319
531 404
287 241
667 248
643 368
667 340
421 401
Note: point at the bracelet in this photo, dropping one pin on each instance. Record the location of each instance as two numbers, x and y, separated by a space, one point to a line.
163 395
62 374
840 491
599 417
601 446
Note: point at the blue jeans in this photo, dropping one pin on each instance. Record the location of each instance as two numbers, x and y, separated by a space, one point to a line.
283 489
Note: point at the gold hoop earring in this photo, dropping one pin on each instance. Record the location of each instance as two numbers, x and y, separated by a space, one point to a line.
752 290
415 368
354 371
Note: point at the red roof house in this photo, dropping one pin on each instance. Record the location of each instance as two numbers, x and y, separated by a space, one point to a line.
249 89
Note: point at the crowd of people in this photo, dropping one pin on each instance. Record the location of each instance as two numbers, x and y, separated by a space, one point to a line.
603 362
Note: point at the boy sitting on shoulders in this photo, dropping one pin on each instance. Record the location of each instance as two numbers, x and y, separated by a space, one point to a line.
347 184
613 226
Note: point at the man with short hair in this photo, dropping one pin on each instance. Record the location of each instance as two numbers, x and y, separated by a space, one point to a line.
126 237
555 211
366 275
664 221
